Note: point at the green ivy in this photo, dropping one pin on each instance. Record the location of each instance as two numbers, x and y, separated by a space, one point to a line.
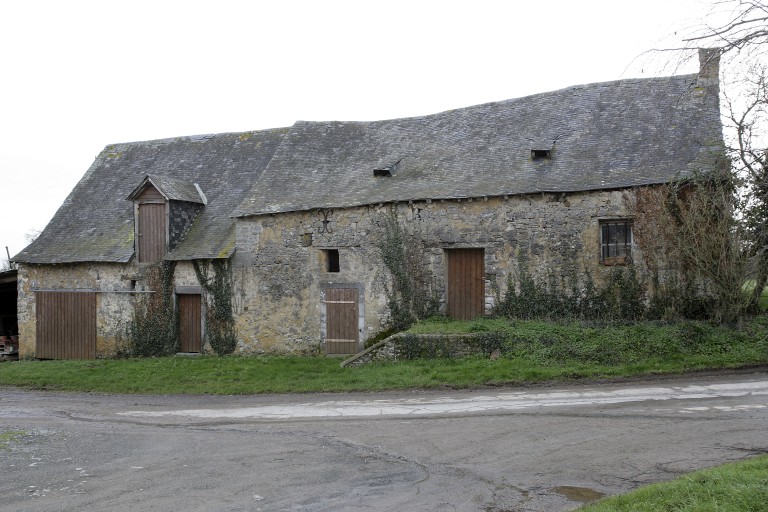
219 320
410 295
153 329
564 296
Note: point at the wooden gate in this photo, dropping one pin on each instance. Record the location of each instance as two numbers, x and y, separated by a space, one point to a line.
66 324
190 327
341 320
466 283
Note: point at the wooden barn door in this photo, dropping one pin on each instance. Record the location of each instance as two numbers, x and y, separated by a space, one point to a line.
151 232
190 326
466 283
341 316
66 325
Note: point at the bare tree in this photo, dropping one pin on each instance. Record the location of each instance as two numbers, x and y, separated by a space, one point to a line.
690 244
747 116
736 31
745 29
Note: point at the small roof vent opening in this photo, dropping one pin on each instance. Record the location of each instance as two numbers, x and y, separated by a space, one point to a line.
541 154
386 171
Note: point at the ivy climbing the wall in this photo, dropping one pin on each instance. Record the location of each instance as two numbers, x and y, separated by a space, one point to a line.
570 295
693 248
153 328
411 294
219 321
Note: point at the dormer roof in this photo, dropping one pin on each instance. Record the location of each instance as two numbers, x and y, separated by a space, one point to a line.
171 189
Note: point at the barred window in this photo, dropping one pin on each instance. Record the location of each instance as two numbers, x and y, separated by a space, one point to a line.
616 242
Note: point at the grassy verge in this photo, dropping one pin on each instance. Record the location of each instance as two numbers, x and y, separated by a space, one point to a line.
533 352
737 487
682 345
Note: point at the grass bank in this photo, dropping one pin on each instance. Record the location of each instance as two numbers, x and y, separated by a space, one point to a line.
533 352
737 487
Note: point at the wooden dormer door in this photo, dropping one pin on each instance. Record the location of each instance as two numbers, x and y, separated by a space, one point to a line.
151 225
152 232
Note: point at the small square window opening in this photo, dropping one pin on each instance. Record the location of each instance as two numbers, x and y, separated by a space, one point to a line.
541 154
616 242
329 260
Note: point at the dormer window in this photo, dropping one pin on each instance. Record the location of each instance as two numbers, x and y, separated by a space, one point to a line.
164 209
541 154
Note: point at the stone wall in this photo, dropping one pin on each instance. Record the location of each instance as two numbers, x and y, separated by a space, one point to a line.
112 298
117 287
402 346
280 272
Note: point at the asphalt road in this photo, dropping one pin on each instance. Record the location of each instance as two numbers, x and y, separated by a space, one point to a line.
536 449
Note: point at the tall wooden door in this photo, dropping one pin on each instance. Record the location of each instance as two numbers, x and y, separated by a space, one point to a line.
190 323
466 283
152 231
66 324
341 317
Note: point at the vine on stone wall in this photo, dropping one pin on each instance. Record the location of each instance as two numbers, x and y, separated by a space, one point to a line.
153 328
691 245
411 294
219 319
567 296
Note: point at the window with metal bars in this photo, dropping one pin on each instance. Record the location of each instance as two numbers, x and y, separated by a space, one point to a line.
616 242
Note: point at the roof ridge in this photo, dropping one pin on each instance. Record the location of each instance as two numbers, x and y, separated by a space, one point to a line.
609 83
203 136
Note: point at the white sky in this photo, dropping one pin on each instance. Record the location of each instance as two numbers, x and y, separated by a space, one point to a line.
78 75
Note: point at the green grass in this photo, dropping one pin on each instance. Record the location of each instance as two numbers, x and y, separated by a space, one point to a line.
251 375
9 436
533 352
737 487
763 301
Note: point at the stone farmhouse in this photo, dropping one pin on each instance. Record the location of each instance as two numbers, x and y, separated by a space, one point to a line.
296 216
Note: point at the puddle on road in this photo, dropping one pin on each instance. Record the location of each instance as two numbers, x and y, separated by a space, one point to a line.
581 494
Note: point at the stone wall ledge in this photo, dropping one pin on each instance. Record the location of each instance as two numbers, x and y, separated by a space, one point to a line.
392 349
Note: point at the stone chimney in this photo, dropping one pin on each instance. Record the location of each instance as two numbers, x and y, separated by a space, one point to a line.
708 79
709 63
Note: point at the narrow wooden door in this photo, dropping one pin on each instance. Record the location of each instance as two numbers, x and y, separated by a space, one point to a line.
152 231
65 325
466 283
190 327
341 317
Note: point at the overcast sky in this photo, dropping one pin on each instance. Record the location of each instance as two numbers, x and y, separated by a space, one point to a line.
78 75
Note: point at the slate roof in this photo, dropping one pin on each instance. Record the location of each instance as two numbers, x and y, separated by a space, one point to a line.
95 223
602 136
